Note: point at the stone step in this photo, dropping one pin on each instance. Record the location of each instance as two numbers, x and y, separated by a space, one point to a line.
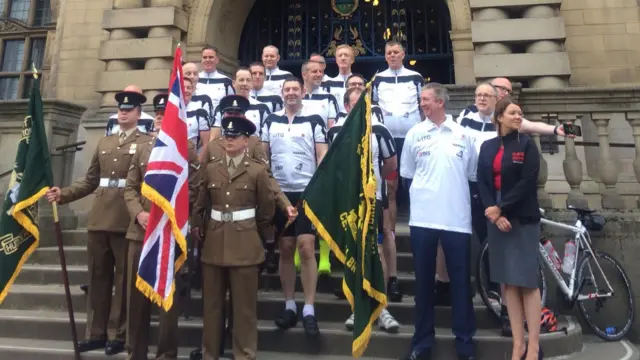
23 349
79 237
78 274
270 304
77 255
334 339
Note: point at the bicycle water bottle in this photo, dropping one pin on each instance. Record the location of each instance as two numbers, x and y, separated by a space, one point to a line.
555 258
568 262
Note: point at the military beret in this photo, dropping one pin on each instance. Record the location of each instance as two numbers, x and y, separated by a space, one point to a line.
234 104
235 125
160 102
129 99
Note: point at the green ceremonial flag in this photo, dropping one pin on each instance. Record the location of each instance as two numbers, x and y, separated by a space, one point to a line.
340 202
30 180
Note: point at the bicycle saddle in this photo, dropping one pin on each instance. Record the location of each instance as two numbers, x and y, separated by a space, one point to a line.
581 211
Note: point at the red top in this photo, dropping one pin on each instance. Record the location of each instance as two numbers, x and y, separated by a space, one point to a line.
497 167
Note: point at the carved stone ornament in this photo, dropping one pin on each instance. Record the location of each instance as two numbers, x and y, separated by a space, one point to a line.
10 26
187 5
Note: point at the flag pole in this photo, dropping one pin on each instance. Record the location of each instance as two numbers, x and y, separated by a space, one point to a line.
63 262
65 278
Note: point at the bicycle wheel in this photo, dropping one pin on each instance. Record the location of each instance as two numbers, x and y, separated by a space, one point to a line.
616 322
490 292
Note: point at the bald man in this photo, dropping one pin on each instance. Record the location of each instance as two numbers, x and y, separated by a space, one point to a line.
145 124
200 101
274 76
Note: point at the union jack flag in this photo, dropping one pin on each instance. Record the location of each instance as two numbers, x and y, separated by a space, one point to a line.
165 184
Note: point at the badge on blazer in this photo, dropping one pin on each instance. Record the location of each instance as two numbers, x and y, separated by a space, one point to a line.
132 149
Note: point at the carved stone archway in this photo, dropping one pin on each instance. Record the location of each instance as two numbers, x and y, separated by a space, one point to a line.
220 23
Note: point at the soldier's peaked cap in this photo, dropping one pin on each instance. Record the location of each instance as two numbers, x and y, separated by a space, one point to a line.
160 102
129 99
235 125
234 104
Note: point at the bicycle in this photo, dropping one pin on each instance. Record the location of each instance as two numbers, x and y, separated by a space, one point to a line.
572 290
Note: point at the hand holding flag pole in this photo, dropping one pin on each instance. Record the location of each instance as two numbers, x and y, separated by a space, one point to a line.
63 262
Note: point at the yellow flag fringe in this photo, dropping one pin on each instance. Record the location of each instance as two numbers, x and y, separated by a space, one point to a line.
28 225
147 289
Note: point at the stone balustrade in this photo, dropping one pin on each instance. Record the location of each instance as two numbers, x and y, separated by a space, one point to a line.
600 169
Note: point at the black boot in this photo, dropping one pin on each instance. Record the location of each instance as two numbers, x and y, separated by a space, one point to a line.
393 290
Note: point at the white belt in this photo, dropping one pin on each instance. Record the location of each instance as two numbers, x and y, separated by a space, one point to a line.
113 183
232 216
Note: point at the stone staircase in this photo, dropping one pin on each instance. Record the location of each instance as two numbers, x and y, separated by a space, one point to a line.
34 322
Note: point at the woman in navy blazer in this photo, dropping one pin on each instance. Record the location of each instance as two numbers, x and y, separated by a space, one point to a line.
508 167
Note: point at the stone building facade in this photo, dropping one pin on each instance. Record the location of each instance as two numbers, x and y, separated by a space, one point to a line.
90 49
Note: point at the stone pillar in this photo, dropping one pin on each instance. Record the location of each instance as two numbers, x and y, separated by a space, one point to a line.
607 168
545 46
505 47
572 166
634 121
140 48
544 199
491 48
117 65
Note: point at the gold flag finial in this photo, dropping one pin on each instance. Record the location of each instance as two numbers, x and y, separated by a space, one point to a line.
34 70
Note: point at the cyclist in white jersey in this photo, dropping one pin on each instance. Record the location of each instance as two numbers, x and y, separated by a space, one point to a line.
320 59
337 86
358 81
197 124
257 111
211 82
389 242
384 157
316 100
295 143
274 75
260 92
198 101
397 91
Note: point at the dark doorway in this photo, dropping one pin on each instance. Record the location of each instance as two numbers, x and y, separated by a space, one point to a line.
302 27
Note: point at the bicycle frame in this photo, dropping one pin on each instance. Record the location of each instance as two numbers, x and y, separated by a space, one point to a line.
583 242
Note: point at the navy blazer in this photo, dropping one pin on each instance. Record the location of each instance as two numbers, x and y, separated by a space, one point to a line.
519 174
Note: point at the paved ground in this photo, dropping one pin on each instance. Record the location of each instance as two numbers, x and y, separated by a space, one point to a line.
21 349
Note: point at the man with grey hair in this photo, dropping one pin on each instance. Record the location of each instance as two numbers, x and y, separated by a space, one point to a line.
316 100
274 76
438 161
476 119
323 62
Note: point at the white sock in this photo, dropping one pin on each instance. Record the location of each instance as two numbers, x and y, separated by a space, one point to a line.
308 310
291 305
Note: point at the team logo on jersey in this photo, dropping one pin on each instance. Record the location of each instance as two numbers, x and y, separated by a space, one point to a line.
299 166
344 8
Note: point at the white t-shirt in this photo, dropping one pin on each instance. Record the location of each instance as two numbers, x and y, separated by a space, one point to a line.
321 103
441 161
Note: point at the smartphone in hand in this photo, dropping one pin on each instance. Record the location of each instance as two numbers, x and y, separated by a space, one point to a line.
571 129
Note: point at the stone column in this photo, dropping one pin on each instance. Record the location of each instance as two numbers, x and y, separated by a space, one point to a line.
156 63
124 64
491 48
544 46
544 199
572 166
607 169
634 121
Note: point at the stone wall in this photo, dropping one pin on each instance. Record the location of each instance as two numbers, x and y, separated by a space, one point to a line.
603 41
78 67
